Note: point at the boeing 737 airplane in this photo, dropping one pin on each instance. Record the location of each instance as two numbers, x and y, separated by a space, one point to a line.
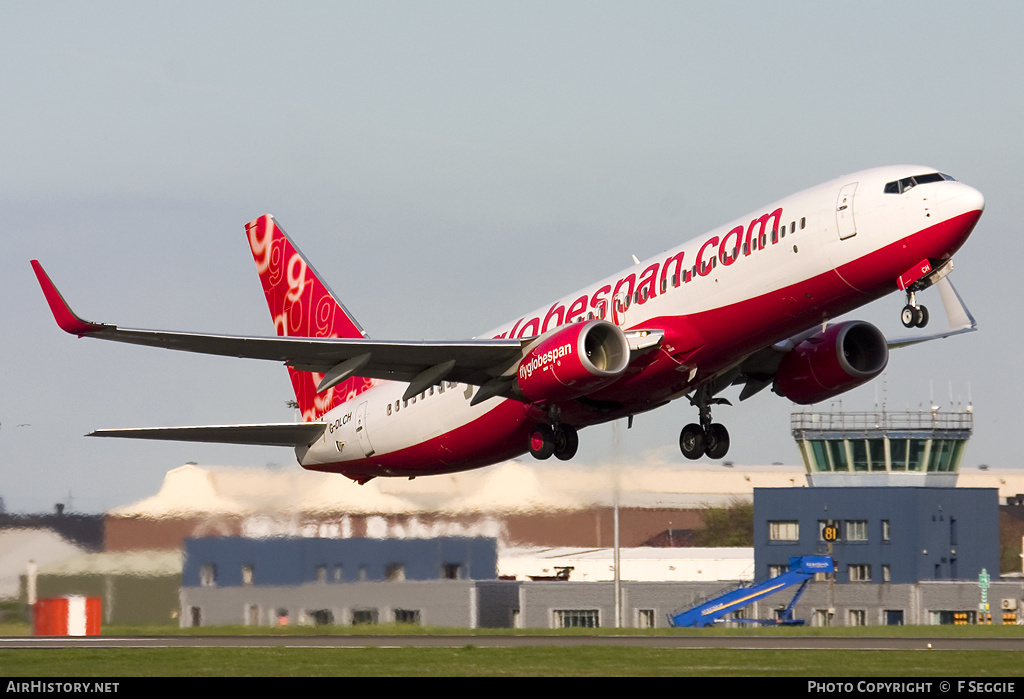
747 304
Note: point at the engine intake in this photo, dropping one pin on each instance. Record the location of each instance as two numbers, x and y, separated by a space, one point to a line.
573 360
842 357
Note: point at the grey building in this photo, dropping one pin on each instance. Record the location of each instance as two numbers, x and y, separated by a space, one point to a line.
291 581
460 603
648 604
448 581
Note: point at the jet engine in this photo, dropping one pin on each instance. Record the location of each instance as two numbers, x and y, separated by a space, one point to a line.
842 357
573 360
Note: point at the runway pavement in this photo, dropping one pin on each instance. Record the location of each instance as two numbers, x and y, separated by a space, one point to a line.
514 641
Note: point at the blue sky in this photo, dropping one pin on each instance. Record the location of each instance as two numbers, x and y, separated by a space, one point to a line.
448 166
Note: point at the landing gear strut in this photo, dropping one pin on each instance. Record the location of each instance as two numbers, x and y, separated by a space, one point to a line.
913 315
709 439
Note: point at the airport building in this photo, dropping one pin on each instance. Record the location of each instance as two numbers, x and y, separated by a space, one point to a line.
881 535
526 544
430 582
882 500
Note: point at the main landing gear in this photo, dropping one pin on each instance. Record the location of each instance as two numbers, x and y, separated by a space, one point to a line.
709 439
560 440
913 315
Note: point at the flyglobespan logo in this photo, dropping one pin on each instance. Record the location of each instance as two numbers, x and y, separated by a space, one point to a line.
526 370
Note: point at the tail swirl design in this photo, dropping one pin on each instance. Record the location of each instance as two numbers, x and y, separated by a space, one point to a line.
302 305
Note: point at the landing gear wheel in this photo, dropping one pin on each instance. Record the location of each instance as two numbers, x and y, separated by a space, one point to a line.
567 441
914 316
909 316
921 317
717 441
542 442
692 441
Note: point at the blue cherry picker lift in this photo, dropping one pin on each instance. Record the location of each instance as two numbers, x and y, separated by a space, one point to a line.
802 570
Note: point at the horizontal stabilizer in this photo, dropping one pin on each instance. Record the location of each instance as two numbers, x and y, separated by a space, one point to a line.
288 434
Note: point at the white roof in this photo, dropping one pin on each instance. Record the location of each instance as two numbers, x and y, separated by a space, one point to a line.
646 553
512 486
641 563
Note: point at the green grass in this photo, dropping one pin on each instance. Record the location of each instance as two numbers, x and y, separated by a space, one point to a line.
470 661
547 661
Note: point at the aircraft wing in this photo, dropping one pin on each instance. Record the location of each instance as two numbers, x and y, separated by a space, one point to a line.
422 363
757 371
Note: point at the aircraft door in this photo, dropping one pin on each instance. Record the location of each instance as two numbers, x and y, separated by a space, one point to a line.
361 434
844 212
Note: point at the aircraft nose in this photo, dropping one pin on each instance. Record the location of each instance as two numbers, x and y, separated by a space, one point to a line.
962 199
962 209
970 199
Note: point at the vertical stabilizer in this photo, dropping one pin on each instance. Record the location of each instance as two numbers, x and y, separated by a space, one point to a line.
302 305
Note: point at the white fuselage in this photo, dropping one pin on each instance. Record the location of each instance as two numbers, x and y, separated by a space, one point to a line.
761 278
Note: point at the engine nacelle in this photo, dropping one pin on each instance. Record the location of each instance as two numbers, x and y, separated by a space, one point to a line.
842 357
573 360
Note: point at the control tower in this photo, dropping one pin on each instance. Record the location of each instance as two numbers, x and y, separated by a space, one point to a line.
876 449
877 533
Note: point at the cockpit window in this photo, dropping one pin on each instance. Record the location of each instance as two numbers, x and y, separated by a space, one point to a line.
901 186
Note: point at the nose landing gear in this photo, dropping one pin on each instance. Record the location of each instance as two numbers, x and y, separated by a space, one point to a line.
913 315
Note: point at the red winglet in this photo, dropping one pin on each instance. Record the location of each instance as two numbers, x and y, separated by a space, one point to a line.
62 313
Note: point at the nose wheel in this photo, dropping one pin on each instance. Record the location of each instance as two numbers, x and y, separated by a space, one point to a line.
914 315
